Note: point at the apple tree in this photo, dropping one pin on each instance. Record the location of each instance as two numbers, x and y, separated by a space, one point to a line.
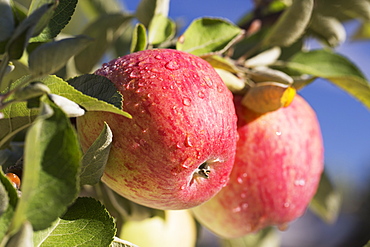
51 190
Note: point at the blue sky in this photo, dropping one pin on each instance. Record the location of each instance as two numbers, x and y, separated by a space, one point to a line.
344 121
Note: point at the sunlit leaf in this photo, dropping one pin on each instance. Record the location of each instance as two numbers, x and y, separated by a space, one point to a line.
24 32
139 40
50 171
99 87
203 36
104 30
86 223
95 158
160 29
328 29
60 18
149 8
363 32
335 68
50 57
291 24
44 20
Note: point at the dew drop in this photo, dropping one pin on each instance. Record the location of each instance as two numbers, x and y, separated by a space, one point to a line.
278 133
237 209
172 65
158 57
178 145
300 182
186 101
208 81
240 180
201 95
187 141
183 187
134 74
243 195
286 205
220 89
244 205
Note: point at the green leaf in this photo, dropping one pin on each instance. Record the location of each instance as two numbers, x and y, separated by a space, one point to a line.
12 196
24 31
363 32
18 116
368 244
327 200
203 36
6 20
267 237
335 68
161 29
327 28
149 8
105 30
139 38
291 24
52 56
43 22
51 165
86 223
95 158
99 87
23 237
343 9
60 18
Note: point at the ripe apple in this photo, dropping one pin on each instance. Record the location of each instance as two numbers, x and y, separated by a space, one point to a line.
278 163
179 148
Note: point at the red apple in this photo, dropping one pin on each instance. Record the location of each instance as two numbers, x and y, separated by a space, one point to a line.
179 148
278 163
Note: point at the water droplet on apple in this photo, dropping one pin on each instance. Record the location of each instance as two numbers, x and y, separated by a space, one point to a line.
240 180
244 175
286 205
201 95
243 195
208 81
158 57
134 74
164 87
278 133
186 101
300 182
220 89
183 187
172 65
237 209
130 85
244 205
187 141
178 145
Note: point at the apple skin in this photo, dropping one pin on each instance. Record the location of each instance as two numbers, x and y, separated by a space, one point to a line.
278 164
179 148
176 228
